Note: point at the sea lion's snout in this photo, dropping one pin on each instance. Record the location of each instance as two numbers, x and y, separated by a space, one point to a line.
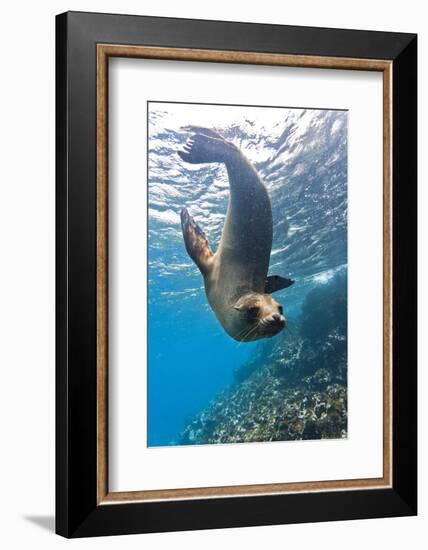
274 319
277 319
274 323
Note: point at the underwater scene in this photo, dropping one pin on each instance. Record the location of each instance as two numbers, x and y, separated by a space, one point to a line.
247 274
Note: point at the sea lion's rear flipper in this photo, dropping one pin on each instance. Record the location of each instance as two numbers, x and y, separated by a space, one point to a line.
203 131
196 242
275 283
205 146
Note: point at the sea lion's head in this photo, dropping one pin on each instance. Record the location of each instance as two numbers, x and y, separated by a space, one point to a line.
257 316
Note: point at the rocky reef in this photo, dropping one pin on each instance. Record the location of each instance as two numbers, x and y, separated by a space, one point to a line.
294 387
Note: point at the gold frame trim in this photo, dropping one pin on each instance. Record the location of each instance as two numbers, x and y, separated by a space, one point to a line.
104 51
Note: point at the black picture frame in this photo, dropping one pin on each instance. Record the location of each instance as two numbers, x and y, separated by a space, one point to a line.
78 513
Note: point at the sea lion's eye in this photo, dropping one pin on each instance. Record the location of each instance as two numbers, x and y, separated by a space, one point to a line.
253 311
281 311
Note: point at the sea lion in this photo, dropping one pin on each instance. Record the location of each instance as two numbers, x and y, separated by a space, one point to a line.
236 282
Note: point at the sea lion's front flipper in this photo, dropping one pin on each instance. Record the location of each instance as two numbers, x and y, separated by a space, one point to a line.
275 283
196 242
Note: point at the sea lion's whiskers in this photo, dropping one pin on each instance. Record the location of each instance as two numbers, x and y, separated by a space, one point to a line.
263 322
241 333
252 329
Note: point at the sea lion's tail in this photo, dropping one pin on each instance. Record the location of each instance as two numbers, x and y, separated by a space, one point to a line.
205 145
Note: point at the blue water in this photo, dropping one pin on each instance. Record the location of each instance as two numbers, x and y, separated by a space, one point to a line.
301 155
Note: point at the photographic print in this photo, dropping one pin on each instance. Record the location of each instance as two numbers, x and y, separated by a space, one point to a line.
247 274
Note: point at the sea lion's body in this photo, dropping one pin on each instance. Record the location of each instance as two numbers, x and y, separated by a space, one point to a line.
241 262
235 276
